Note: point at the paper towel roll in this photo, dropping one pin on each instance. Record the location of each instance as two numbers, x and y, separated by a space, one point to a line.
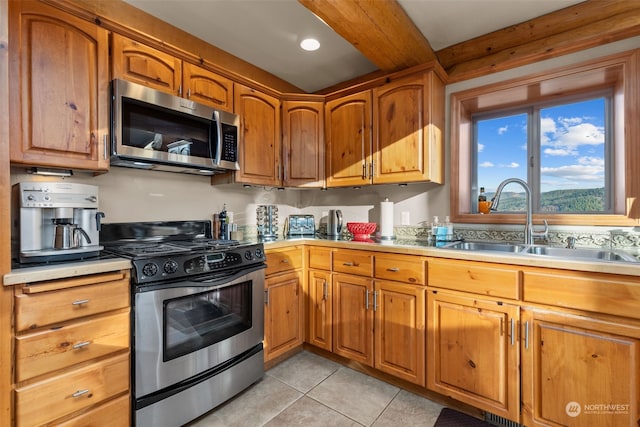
386 220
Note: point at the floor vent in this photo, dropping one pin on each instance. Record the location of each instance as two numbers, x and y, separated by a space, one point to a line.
499 421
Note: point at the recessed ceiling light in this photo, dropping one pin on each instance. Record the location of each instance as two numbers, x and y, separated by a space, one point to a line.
310 44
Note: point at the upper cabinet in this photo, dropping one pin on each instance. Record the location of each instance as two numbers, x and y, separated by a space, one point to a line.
303 143
348 140
138 63
259 137
59 103
390 134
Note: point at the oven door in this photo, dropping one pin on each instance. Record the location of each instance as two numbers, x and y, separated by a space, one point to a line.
184 328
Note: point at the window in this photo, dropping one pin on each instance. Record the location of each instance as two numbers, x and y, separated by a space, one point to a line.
546 129
562 150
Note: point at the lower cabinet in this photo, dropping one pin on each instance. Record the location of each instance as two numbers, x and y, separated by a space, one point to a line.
320 310
579 371
473 352
282 314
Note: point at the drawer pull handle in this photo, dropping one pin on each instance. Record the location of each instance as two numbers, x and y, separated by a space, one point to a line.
80 302
81 344
349 264
80 393
284 261
393 269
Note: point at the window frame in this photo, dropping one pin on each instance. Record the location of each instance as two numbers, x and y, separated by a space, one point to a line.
619 73
534 149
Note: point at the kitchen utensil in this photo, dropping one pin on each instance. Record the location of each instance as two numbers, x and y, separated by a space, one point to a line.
334 222
67 236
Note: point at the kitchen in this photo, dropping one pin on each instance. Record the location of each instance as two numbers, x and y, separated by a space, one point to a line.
154 196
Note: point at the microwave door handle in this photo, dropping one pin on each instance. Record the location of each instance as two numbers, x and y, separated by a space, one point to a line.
218 157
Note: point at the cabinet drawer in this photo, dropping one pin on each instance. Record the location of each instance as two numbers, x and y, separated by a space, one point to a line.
48 350
34 310
401 268
602 293
475 277
114 413
280 260
353 262
73 391
320 258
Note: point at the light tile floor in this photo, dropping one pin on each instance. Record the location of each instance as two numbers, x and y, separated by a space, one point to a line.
309 390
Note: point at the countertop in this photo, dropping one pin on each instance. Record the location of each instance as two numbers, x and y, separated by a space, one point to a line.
61 270
422 248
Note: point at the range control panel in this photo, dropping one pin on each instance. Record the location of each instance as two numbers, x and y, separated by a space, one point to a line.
182 265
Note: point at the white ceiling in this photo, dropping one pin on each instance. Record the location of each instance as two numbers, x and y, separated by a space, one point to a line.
266 33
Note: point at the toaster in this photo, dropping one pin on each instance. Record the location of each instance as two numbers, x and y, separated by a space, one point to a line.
301 226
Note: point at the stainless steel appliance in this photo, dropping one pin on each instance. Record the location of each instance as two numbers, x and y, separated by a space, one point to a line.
267 222
301 226
56 221
156 130
197 316
334 222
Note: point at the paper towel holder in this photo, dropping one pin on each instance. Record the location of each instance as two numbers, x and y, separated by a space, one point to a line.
386 220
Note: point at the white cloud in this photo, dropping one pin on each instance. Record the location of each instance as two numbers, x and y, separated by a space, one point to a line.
588 170
486 165
559 152
567 134
502 130
512 165
480 148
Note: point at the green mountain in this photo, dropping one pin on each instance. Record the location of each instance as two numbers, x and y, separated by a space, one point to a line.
556 201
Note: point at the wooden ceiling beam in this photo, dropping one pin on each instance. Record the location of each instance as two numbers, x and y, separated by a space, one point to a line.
588 24
380 30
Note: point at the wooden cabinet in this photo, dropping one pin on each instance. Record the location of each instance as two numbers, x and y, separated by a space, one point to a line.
142 64
319 298
303 143
579 371
59 95
473 351
72 350
348 140
284 310
390 134
259 135
408 130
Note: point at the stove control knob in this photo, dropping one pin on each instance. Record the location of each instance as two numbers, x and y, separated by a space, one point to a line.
150 269
170 267
248 255
259 253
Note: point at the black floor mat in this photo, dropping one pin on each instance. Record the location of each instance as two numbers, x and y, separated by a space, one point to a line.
450 418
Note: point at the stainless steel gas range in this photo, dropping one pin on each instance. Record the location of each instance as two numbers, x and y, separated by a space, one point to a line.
197 317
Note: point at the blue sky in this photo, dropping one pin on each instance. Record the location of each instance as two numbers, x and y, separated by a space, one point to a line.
572 150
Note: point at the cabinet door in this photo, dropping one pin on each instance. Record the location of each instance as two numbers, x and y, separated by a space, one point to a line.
578 371
138 63
400 330
407 141
320 309
348 140
259 137
353 318
473 353
207 87
303 143
283 314
59 96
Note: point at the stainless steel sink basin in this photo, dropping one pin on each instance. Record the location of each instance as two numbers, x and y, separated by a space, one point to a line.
582 253
486 246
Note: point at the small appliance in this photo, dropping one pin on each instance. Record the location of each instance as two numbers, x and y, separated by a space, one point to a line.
301 226
160 131
334 223
56 220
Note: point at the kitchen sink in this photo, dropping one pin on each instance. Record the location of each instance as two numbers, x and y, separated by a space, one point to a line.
582 253
594 254
486 246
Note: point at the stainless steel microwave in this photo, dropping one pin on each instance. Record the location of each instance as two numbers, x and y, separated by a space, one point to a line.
155 130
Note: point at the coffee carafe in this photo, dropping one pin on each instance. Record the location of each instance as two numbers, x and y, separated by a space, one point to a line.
57 221
334 223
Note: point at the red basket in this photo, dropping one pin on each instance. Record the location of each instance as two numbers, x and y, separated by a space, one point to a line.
361 230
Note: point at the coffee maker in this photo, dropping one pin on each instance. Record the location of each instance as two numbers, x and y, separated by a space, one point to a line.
55 221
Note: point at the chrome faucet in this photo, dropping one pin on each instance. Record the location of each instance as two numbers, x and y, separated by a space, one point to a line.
529 233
